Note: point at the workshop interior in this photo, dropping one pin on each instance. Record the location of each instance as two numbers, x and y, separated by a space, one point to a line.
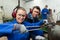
40 19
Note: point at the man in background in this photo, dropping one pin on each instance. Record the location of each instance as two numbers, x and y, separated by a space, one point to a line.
45 12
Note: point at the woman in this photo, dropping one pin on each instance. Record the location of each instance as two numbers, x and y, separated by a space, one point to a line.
8 29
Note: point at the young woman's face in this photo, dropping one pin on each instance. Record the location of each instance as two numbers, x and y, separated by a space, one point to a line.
20 16
35 12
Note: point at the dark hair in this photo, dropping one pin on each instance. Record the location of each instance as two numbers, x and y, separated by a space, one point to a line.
1 7
37 7
46 5
50 9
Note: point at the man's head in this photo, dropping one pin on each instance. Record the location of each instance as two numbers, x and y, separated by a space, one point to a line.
20 14
50 11
35 11
46 6
1 7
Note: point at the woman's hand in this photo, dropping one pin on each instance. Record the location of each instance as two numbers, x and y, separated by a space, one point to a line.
20 27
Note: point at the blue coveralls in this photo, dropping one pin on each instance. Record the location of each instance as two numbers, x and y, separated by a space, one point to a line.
6 29
37 23
45 12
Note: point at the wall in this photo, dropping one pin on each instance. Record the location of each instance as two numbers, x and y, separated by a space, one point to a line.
8 6
22 3
53 4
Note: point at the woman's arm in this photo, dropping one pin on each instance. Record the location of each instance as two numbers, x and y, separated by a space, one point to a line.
6 29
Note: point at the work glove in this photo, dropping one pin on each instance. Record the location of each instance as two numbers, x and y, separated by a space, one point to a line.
20 27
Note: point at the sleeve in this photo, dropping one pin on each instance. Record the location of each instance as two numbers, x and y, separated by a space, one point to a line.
5 29
37 24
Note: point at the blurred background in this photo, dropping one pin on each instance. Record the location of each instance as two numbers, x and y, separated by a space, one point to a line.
9 5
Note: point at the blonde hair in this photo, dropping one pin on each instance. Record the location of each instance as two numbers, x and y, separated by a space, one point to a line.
20 8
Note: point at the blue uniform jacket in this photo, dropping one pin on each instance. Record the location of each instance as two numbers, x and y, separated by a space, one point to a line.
6 29
44 13
35 22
